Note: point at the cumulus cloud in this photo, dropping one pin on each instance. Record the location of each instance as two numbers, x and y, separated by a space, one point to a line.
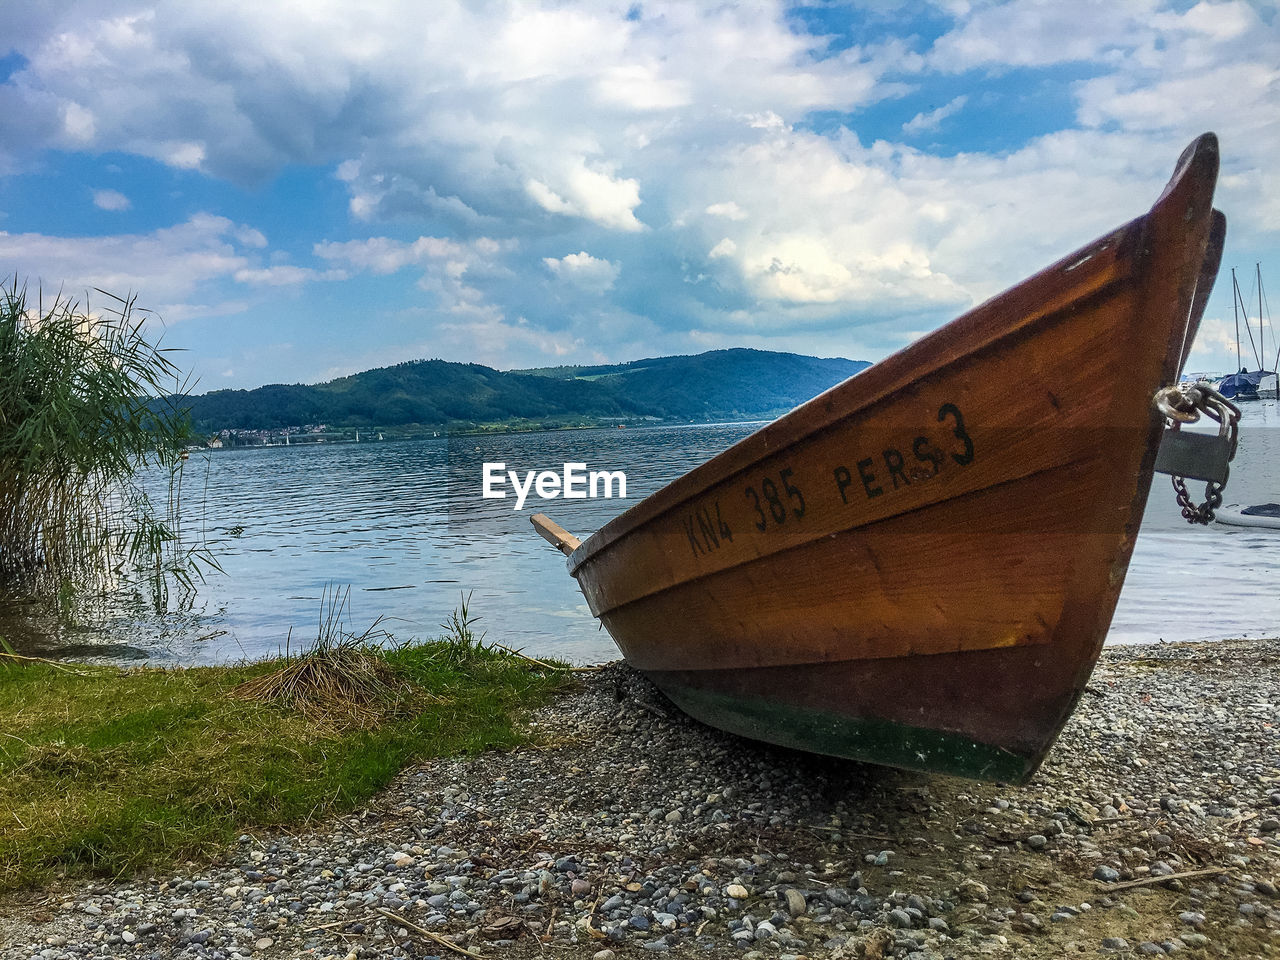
446 268
584 271
166 264
207 266
595 195
725 248
1216 339
729 210
928 121
1036 33
497 342
470 105
111 200
1217 67
678 138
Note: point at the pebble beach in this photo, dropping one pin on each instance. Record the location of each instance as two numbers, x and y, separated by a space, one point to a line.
628 830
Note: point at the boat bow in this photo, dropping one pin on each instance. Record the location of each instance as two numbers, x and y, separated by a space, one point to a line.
919 566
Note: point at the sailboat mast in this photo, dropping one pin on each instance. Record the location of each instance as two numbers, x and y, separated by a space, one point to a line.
1247 329
1235 308
1262 344
1275 367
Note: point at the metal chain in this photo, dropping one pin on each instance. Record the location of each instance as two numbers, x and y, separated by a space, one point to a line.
1184 403
1198 514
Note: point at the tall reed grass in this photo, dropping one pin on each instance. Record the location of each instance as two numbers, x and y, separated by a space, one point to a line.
83 410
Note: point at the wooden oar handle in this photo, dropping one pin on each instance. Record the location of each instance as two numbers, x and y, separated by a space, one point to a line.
553 533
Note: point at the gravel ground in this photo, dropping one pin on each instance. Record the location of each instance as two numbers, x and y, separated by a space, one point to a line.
1153 828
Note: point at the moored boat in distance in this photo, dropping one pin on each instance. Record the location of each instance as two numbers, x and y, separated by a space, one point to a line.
1257 515
1242 386
1248 384
918 567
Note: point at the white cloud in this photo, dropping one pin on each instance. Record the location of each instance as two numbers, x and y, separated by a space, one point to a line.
77 122
595 195
468 105
584 271
112 200
494 341
178 312
446 267
166 264
725 248
729 210
383 255
1162 76
285 275
179 273
1216 339
1217 67
184 155
1037 33
250 236
682 142
931 120
1215 349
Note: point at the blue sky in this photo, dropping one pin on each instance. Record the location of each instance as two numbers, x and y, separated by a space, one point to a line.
302 190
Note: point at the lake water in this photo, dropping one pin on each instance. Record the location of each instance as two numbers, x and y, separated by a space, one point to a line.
403 524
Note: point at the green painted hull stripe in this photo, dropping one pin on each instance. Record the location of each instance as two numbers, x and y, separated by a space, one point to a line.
868 739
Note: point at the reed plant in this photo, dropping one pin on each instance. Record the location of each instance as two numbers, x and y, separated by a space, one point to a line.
342 677
460 638
84 409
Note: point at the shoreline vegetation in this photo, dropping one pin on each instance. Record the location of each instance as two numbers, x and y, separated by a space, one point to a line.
247 439
83 409
109 770
508 811
235 439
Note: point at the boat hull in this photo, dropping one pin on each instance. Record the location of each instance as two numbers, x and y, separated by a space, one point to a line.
748 703
1266 515
918 568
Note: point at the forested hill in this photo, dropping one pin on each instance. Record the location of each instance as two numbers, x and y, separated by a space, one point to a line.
719 385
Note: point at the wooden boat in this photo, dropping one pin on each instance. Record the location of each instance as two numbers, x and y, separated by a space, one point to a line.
918 567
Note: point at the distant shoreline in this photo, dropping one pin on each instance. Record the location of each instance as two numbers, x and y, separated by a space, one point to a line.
391 434
426 396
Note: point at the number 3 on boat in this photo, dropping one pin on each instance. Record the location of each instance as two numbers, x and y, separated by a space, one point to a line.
918 567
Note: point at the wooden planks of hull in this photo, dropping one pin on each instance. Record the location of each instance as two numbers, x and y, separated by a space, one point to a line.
919 566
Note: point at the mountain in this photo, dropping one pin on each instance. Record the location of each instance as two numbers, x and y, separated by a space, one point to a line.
423 392
719 385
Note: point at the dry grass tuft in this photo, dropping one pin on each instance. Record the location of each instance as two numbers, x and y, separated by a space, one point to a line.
343 681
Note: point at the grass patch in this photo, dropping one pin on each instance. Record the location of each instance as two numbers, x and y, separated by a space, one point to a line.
105 771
